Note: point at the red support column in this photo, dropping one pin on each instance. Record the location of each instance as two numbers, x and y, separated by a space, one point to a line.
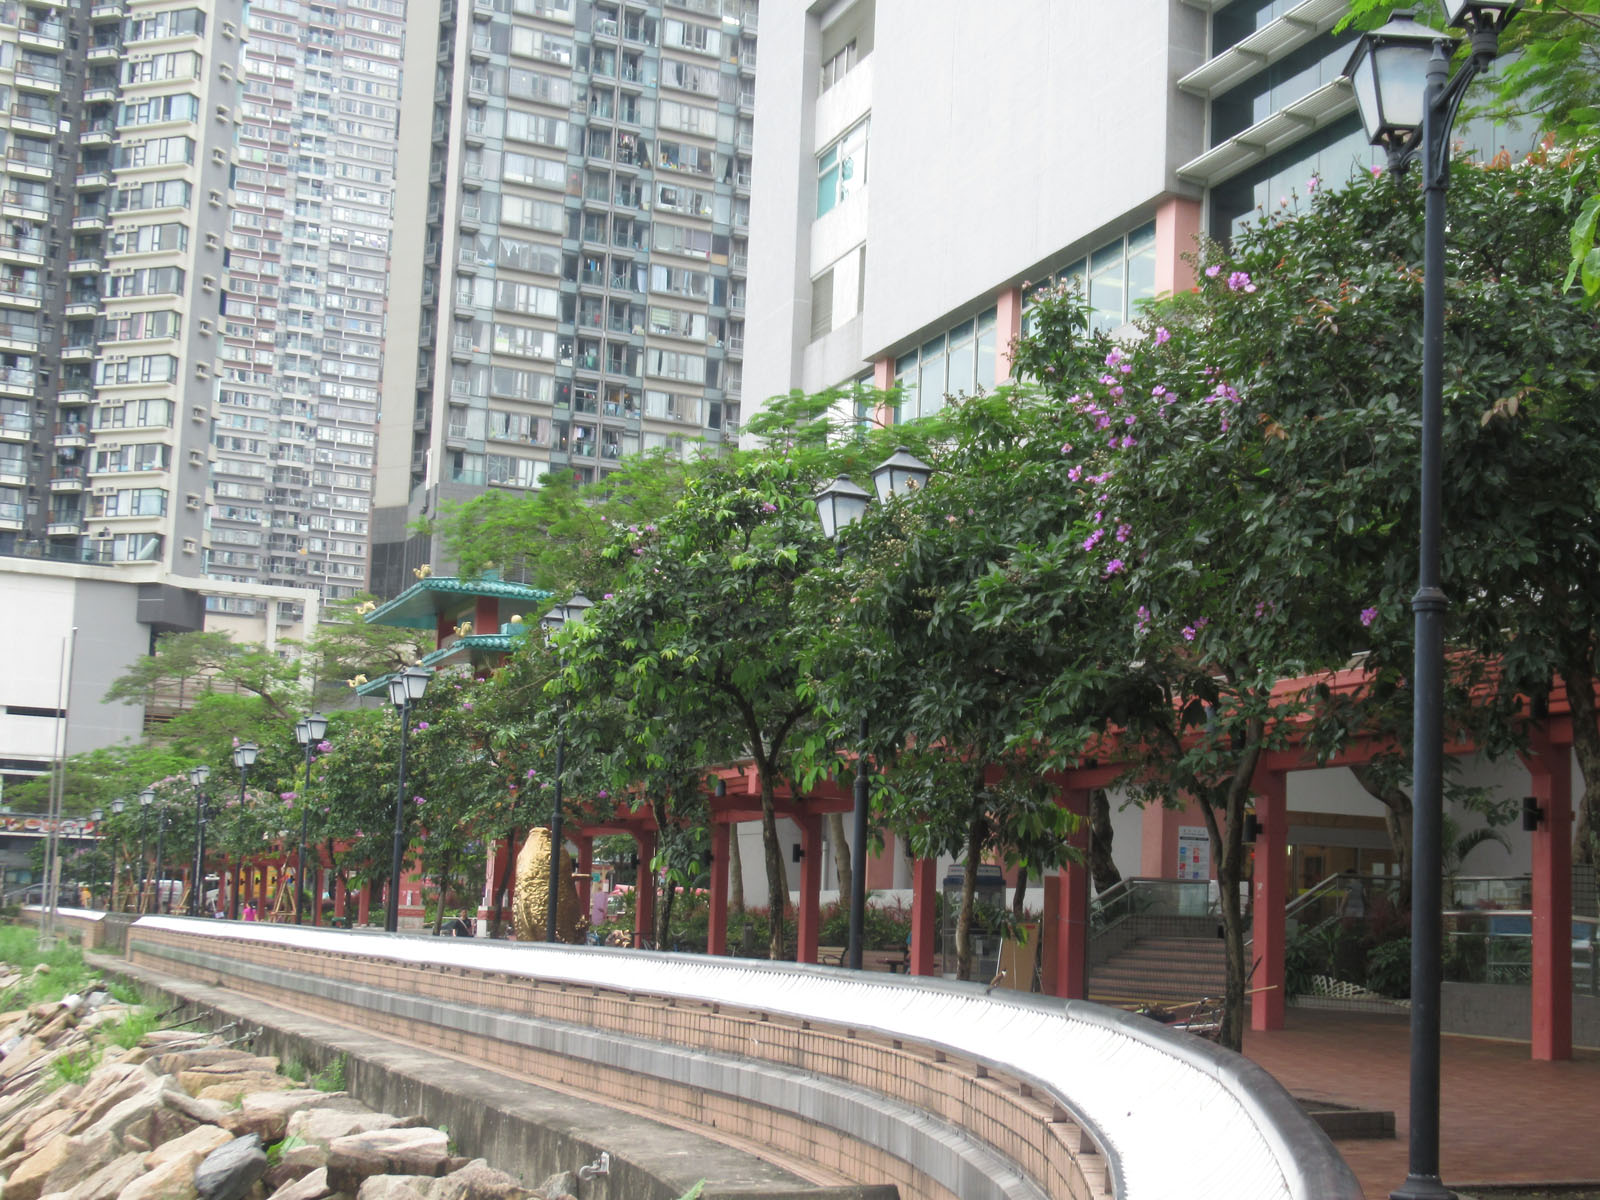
314 892
340 898
644 912
585 878
1072 909
364 904
717 933
1269 898
924 926
1551 772
809 917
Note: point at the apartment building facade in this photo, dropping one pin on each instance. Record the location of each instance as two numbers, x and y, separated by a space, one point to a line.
923 166
309 239
118 158
580 293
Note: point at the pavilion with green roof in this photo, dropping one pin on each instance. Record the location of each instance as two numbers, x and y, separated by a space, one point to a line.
474 621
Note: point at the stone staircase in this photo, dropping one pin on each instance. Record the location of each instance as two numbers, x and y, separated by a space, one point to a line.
1161 970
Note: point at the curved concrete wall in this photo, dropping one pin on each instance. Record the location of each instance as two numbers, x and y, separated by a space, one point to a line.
1032 1096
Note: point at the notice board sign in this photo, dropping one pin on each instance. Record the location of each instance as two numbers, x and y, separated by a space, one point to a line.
1194 852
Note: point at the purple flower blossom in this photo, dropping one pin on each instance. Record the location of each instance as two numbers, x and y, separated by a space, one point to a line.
1113 358
324 746
1368 616
1126 368
530 772
608 595
1128 443
1114 567
1093 540
421 726
603 793
1130 419
1240 282
418 801
1188 633
1066 447
1160 389
1117 391
1143 623
768 507
289 797
466 706
1123 531
1163 335
1213 271
1075 474
1313 184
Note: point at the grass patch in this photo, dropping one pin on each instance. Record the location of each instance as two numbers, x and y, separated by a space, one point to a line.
19 949
295 1070
277 1150
332 1077
130 1031
73 1068
125 993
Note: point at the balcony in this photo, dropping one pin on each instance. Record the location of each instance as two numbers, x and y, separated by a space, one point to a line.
10 514
108 51
482 47
74 393
82 306
15 336
21 293
29 205
89 218
16 427
42 35
92 178
467 260
35 118
36 78
16 381
14 471
87 265
100 92
72 435
20 247
477 131
106 12
606 28
78 352
97 133
67 479
461 346
64 526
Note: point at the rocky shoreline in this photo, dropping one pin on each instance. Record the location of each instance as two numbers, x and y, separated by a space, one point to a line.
97 1102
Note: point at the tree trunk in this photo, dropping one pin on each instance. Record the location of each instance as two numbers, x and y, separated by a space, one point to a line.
438 911
1233 942
841 855
777 879
735 873
1586 744
1227 850
1102 867
969 892
664 915
1397 820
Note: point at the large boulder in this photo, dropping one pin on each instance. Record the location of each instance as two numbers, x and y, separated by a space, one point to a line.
192 1148
392 1187
111 1180
27 1181
230 1171
359 1156
87 1154
173 1062
170 1181
311 1187
148 1118
230 1088
322 1126
479 1181
268 1113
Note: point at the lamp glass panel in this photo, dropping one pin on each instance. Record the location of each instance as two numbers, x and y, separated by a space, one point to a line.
1366 89
416 681
318 725
1401 81
825 514
302 731
117 806
147 797
397 691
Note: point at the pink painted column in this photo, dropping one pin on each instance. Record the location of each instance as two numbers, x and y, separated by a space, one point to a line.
809 918
1072 909
880 867
1551 772
341 899
1007 329
1268 899
585 879
717 932
883 380
644 911
1158 838
486 615
1177 234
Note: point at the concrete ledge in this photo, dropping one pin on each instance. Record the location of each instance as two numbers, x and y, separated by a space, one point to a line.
939 1150
526 1130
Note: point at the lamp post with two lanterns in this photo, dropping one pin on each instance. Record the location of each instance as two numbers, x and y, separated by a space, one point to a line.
308 731
405 689
572 611
1408 101
839 505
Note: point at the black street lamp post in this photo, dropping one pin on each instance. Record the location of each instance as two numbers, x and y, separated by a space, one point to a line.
573 610
97 816
146 799
308 731
1408 102
117 807
840 505
161 834
198 777
405 689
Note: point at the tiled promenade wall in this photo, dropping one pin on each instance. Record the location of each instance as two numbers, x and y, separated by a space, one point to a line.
84 926
851 1097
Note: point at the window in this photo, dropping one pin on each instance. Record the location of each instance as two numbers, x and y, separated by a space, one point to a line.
686 35
822 305
842 168
954 363
837 67
1115 278
669 364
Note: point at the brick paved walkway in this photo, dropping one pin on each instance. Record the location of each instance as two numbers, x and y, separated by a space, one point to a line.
1503 1117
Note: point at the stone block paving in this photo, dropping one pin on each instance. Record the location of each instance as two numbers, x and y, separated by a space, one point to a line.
1503 1117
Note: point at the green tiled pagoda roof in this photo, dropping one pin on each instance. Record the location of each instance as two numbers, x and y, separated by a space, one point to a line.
419 606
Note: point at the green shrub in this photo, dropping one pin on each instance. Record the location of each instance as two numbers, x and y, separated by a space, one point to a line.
130 1031
332 1077
73 1068
1389 969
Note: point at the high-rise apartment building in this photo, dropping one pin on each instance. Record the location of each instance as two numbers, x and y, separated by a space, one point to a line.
308 245
580 290
118 141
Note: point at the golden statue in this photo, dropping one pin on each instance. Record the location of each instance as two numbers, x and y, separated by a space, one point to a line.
530 901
